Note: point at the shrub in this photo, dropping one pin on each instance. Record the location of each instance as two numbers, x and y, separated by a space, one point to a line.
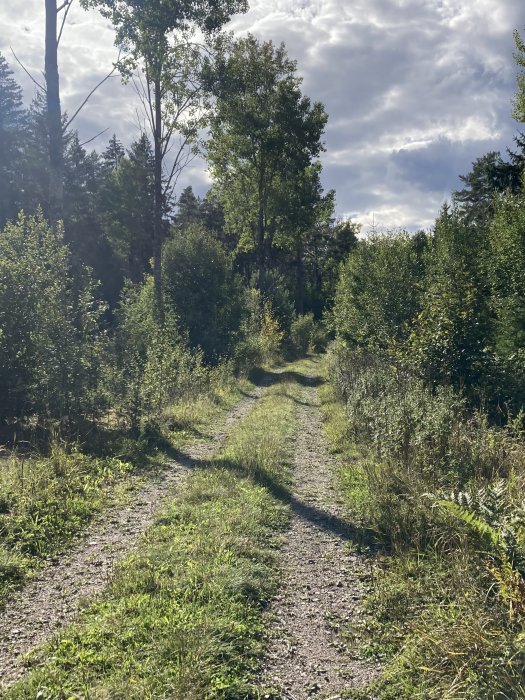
302 332
377 293
443 489
203 291
153 365
260 334
50 344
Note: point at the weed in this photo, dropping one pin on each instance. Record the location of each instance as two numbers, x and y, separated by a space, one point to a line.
442 490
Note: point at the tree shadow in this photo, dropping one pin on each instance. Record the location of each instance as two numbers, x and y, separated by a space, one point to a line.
264 378
362 537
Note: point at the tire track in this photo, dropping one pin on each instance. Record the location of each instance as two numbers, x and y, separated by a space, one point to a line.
53 598
322 580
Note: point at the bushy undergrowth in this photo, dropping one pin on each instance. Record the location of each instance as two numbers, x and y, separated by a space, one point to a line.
182 618
443 492
260 335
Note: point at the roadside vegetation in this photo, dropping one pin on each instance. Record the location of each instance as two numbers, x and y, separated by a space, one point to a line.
426 407
48 496
132 317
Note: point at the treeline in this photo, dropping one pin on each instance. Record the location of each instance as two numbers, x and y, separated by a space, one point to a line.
244 270
448 304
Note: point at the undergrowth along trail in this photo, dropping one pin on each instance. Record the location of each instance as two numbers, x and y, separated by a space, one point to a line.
52 598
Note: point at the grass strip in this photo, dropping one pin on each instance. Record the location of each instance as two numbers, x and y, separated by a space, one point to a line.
182 618
45 501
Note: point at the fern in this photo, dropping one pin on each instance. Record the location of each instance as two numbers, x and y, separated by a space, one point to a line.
481 527
490 517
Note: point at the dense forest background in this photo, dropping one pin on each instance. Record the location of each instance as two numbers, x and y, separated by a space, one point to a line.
239 267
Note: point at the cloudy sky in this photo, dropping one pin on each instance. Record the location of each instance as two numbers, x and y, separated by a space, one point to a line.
415 89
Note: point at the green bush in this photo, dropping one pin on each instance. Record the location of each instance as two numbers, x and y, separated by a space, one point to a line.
151 365
203 291
419 442
302 334
442 490
260 334
50 344
377 293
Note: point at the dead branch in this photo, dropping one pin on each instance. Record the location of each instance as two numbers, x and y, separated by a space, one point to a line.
84 143
85 101
41 87
66 5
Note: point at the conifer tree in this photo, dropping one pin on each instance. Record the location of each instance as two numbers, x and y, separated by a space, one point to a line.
12 122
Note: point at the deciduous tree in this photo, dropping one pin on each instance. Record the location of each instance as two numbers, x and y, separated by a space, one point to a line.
153 36
264 135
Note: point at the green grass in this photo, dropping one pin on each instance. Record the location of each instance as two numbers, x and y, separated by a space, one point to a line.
183 618
46 500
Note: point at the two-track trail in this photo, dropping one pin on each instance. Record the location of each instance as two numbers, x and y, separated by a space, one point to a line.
311 651
52 599
322 585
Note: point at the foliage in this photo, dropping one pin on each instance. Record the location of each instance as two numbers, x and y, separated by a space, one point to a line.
260 334
302 334
448 340
519 102
50 343
443 492
505 266
203 291
377 292
490 176
153 365
126 207
265 136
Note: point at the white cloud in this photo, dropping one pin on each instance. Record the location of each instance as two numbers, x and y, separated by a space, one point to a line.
415 89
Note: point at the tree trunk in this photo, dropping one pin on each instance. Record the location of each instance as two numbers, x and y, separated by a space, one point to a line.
158 205
300 279
54 116
261 252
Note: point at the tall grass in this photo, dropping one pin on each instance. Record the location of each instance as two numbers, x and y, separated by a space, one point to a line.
443 491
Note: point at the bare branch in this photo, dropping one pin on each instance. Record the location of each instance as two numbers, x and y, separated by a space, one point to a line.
142 94
84 102
41 87
67 5
84 143
180 161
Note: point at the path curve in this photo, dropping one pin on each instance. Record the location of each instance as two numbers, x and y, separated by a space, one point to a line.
322 579
52 598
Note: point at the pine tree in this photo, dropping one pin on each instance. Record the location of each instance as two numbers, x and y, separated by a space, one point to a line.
12 122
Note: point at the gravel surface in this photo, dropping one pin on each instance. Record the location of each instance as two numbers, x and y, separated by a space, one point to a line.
52 599
322 580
